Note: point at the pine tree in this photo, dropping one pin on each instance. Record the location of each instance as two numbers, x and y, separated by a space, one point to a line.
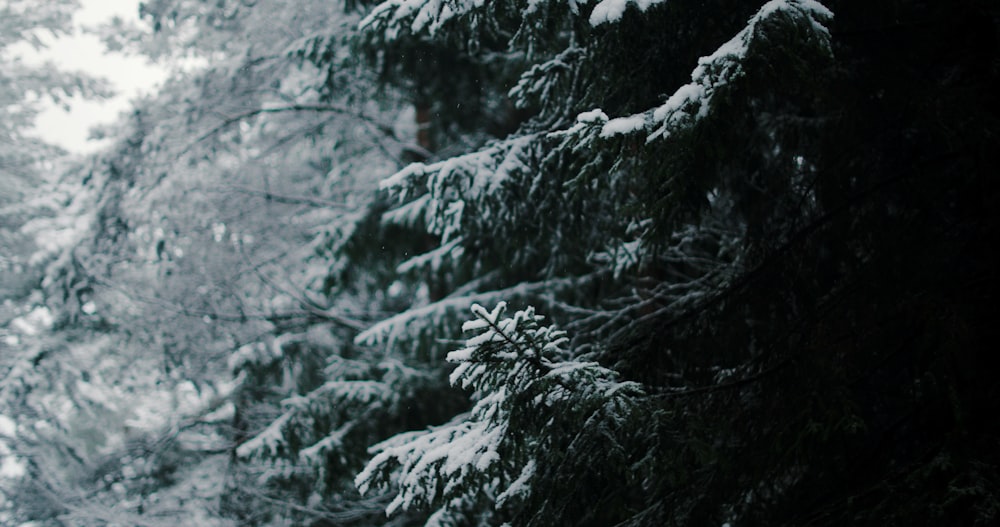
751 244
758 234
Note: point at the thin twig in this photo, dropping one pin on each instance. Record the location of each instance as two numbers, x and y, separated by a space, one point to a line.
320 108
282 198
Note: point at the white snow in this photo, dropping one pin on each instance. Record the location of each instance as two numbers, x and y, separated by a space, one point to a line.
466 453
268 440
692 93
596 115
39 319
412 214
624 125
521 485
8 427
692 101
409 324
314 454
622 257
434 258
11 467
419 15
612 10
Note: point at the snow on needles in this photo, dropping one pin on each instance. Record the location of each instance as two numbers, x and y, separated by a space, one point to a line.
422 15
612 10
507 358
415 16
691 102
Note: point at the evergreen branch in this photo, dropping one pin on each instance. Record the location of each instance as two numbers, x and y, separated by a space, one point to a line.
724 385
522 349
795 239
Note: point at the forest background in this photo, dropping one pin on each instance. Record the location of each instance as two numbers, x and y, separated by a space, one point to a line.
532 262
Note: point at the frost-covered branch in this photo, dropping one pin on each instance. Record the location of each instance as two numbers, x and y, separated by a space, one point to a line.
523 389
692 102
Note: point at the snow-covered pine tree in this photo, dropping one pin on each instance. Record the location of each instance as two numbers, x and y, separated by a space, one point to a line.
572 201
739 207
605 222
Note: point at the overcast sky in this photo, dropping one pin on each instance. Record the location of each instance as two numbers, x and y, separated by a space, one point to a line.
130 76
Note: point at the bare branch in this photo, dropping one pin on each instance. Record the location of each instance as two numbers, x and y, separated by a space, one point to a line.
320 108
310 306
282 198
